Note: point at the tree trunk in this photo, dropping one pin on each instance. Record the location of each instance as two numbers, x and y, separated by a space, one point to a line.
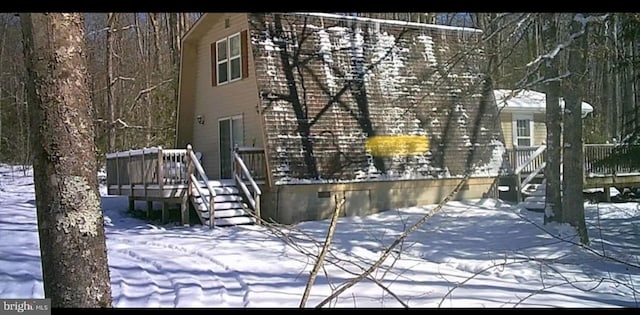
617 106
70 221
553 198
111 147
572 183
4 34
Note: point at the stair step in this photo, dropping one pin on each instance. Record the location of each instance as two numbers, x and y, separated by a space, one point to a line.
219 183
534 203
220 198
232 221
226 213
227 205
218 190
221 206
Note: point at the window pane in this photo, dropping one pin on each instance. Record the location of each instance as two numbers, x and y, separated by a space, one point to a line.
234 46
222 50
524 142
235 69
222 72
523 128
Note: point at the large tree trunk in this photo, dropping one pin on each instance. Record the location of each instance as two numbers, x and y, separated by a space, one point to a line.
553 198
572 183
70 222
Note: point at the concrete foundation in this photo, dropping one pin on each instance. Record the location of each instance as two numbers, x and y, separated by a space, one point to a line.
289 204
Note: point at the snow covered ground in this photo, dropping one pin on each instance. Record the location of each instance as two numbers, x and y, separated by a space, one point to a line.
477 253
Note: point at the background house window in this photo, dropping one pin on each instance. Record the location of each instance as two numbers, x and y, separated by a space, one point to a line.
523 132
229 59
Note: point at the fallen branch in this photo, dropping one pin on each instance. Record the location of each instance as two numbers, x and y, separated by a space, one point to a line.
323 252
398 241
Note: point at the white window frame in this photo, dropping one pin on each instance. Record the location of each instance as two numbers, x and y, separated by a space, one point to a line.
514 124
228 59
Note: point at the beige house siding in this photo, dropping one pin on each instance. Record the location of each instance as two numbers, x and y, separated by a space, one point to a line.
539 129
186 96
507 128
231 99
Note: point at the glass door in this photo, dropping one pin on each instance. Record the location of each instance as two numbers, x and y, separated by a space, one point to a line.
230 132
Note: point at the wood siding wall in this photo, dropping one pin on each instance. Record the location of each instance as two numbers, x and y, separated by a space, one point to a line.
231 99
419 81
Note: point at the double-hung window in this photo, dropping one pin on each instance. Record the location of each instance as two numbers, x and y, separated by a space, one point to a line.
523 131
229 59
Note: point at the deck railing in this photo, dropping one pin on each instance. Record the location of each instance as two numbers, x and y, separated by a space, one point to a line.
253 159
148 166
527 163
518 156
594 153
244 173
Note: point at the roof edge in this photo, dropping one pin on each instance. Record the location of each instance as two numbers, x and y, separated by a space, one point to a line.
385 21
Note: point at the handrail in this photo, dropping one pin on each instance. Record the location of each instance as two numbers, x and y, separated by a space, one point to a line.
129 153
245 190
208 204
246 172
201 172
194 181
254 200
534 155
533 174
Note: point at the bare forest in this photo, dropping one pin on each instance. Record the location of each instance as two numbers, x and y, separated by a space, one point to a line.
134 59
133 62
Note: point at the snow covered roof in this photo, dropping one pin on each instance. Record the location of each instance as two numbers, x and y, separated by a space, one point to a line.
521 101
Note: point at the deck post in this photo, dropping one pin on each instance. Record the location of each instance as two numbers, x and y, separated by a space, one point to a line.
164 211
130 174
184 209
118 174
149 208
160 171
131 203
256 198
211 212
144 175
187 195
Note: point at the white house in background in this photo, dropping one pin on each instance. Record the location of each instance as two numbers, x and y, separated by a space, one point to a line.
523 116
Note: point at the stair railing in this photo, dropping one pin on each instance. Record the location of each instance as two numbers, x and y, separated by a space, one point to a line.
532 175
240 175
193 182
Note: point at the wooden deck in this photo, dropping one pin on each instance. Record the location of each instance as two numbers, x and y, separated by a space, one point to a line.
176 176
528 162
159 192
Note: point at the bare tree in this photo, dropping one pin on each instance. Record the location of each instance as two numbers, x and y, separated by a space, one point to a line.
111 20
553 201
70 221
573 162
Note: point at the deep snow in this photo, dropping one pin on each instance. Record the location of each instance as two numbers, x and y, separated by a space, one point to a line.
475 253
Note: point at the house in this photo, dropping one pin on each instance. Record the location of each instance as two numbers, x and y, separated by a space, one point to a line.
522 116
381 113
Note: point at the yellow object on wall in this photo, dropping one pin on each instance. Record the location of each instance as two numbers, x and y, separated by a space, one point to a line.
397 145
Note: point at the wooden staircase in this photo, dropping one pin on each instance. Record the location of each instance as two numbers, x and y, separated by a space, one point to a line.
534 199
222 202
530 181
229 207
